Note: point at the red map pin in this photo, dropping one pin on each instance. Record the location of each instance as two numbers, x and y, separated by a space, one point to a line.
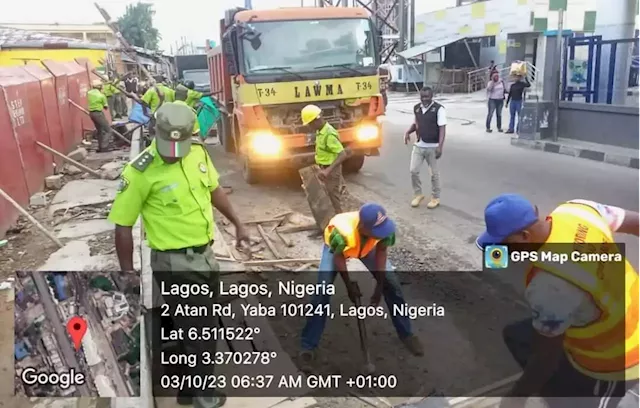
77 327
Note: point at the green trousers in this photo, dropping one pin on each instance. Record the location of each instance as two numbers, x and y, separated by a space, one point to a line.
189 268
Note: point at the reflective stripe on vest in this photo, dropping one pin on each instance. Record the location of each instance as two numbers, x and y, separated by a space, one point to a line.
606 349
347 226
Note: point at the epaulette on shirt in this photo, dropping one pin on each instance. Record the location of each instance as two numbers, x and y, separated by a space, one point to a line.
143 161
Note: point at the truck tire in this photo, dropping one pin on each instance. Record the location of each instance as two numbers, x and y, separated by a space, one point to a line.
353 164
249 173
225 136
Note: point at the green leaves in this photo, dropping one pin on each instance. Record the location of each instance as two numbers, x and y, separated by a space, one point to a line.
136 26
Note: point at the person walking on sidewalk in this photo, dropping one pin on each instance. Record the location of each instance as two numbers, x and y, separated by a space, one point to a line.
495 99
516 97
365 234
430 124
174 186
97 103
330 153
582 341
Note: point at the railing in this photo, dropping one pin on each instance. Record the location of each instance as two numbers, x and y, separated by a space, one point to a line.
478 78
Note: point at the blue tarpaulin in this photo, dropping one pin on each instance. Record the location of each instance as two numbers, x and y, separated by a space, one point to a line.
137 115
20 350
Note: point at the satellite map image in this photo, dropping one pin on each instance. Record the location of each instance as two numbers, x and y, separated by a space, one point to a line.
77 334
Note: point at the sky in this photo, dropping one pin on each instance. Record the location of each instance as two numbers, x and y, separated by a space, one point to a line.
197 20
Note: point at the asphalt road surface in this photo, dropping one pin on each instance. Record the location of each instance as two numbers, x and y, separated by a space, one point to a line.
59 329
475 167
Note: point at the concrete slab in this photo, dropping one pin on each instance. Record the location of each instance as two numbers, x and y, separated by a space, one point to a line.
618 156
76 256
78 193
83 228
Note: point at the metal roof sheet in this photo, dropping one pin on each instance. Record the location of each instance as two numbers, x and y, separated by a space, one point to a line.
13 38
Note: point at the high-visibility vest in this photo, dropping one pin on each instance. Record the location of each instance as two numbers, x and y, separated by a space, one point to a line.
347 226
606 349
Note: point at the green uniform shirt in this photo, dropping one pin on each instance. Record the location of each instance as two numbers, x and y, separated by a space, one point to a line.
328 145
110 89
152 98
337 243
173 199
196 125
96 100
193 97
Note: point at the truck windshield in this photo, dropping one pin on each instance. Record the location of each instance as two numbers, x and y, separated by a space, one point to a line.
311 45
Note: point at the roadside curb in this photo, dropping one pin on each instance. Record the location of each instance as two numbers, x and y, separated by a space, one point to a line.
596 155
146 394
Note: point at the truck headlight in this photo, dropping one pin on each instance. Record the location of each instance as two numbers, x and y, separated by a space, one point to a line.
366 133
266 144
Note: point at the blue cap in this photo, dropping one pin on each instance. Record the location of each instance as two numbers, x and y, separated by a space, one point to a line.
504 216
373 217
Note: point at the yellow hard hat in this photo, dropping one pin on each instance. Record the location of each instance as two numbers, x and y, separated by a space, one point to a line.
310 113
96 83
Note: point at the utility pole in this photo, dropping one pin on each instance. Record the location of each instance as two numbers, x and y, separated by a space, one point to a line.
557 94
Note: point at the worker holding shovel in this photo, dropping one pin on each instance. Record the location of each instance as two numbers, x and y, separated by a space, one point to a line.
365 234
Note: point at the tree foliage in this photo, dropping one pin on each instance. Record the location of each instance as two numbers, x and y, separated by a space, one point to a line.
136 26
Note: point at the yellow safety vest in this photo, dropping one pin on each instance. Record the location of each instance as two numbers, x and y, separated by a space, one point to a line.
347 226
606 349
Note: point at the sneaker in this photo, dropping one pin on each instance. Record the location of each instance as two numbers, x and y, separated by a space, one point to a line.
209 402
412 343
499 130
433 203
417 200
509 132
489 130
307 357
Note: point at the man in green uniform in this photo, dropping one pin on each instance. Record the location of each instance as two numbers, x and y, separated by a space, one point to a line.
330 154
97 103
173 185
154 97
182 95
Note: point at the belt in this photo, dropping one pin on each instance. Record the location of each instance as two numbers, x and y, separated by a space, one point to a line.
197 249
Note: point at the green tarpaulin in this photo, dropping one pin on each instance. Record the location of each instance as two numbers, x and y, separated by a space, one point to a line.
208 115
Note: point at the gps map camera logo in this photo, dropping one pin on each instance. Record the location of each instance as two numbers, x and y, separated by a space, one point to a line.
496 257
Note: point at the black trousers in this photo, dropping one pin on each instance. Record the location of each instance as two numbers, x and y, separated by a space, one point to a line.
567 388
103 130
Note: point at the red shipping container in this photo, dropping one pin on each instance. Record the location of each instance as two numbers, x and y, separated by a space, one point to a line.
12 179
80 79
51 109
15 84
59 73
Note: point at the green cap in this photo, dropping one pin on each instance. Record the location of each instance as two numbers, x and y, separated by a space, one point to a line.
181 93
174 126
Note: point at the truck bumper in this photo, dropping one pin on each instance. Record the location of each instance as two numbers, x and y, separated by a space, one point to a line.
304 159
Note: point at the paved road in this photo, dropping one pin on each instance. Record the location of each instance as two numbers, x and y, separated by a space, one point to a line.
59 329
475 167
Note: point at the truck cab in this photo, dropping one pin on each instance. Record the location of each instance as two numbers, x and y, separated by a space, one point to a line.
271 63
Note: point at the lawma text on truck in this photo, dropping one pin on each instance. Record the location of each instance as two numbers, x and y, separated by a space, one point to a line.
271 63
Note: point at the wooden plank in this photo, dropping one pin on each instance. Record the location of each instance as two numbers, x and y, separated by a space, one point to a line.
317 197
267 241
237 321
297 228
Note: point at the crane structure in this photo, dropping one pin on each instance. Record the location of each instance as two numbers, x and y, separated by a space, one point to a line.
393 18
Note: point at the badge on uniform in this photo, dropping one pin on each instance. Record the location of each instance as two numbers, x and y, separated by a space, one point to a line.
203 168
124 183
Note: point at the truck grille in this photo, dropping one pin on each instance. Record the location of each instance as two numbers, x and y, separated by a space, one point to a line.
285 119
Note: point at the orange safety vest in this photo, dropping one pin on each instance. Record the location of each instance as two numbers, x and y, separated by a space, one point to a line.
606 349
347 226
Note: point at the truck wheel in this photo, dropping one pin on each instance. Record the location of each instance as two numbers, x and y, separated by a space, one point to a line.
353 164
249 173
225 137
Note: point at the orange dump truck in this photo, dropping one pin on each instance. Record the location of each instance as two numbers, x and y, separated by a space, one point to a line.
271 63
